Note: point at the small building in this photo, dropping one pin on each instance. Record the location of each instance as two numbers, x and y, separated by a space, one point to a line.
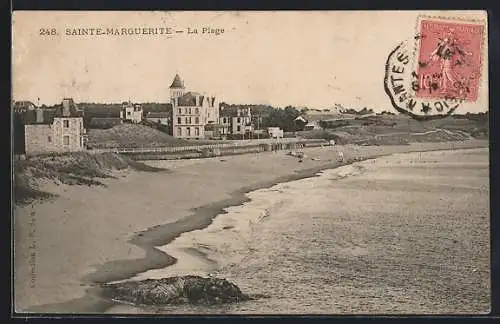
312 126
131 112
236 122
275 132
57 130
159 117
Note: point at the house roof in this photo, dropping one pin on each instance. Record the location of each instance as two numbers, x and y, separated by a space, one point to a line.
29 117
189 99
177 83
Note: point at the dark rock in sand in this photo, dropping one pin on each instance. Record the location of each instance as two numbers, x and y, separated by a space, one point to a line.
176 290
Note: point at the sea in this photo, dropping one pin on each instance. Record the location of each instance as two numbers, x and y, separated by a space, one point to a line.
402 234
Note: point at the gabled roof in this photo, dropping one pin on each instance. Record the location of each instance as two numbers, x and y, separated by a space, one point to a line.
177 83
29 117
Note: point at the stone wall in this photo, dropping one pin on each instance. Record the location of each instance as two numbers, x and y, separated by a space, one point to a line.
38 138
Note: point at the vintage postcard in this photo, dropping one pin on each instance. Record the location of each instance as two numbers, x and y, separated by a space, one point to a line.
250 162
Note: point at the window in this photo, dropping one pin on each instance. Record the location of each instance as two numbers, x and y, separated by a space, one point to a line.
180 111
66 123
179 131
188 120
66 140
179 121
196 120
189 131
128 113
197 110
49 139
239 128
196 131
239 120
189 110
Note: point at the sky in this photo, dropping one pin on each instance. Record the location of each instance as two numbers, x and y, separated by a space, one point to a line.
314 59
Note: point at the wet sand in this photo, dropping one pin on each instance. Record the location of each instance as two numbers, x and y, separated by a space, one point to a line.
87 234
404 234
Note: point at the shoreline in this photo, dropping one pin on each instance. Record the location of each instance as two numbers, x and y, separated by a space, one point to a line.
199 218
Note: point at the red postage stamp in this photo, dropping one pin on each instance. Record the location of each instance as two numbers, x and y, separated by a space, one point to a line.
449 59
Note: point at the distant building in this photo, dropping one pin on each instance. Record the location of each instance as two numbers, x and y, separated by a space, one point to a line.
162 117
191 111
301 119
275 132
312 125
55 130
23 106
236 122
131 112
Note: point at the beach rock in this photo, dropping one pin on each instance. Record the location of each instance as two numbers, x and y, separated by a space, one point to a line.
176 290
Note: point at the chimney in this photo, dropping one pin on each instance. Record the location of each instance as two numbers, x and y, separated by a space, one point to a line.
39 115
66 112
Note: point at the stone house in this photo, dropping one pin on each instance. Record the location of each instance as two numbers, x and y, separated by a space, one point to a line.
55 130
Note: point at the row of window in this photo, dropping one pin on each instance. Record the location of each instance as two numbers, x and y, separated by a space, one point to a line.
186 131
225 120
65 139
188 120
188 111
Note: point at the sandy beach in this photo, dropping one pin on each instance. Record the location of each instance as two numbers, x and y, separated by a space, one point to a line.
102 234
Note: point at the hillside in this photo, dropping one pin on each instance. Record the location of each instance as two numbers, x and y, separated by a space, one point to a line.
399 129
80 168
131 135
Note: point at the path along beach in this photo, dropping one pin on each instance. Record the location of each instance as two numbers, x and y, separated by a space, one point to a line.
83 236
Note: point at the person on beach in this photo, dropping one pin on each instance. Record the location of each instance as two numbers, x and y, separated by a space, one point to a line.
340 155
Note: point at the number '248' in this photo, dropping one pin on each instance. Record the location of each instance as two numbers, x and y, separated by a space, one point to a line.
48 32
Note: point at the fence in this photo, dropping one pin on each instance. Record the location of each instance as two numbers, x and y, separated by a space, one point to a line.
289 142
